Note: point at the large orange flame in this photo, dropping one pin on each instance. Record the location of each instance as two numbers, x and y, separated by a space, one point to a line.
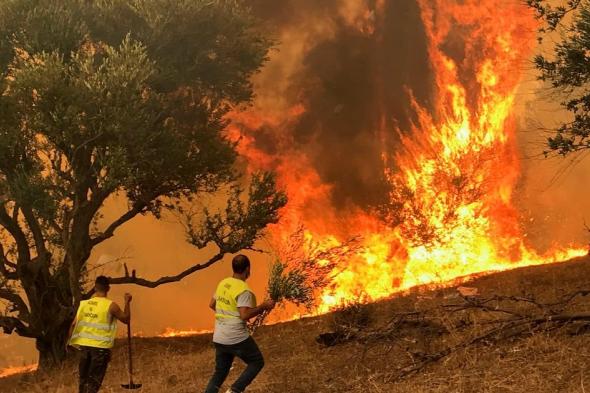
451 210
460 165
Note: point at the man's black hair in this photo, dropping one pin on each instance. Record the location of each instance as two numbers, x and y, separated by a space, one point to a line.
240 263
102 284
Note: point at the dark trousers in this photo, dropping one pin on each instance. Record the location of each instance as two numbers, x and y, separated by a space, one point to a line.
224 357
93 367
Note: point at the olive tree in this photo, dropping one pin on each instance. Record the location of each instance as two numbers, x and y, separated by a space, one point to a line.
116 98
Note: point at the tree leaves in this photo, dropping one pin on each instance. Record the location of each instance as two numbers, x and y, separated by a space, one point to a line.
110 97
568 71
240 224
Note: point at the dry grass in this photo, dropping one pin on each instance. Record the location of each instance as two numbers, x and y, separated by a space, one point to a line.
543 362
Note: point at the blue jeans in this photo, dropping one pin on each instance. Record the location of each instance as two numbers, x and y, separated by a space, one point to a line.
248 351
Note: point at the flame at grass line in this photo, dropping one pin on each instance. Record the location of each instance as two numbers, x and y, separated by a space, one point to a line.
450 213
171 332
14 370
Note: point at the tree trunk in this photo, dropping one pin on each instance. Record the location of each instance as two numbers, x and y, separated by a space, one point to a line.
53 315
52 348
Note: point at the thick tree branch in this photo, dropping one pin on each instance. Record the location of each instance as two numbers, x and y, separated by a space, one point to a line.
15 210
11 324
77 235
24 253
110 231
133 279
33 224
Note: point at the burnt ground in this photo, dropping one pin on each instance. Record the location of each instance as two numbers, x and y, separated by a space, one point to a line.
371 350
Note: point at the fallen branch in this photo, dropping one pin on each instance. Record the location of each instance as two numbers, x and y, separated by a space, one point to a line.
508 330
472 322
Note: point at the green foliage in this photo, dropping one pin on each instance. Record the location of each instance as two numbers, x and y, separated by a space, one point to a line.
552 15
303 269
289 285
567 71
117 97
240 224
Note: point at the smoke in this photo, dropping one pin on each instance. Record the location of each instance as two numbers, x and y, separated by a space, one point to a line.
350 65
551 196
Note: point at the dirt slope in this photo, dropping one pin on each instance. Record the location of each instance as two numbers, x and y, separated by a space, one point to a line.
555 361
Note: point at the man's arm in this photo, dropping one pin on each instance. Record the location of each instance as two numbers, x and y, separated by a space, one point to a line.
247 313
212 304
125 315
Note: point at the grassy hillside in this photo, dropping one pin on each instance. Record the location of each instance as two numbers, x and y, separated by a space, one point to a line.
384 338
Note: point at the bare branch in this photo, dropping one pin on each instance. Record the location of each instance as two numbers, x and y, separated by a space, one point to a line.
24 253
15 210
11 324
509 329
110 231
449 328
33 224
133 279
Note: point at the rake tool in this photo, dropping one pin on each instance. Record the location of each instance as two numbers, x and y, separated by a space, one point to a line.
130 385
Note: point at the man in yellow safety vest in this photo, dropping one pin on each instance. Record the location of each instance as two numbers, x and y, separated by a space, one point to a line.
93 331
234 304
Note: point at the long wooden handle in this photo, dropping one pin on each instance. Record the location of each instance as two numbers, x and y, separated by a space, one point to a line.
130 354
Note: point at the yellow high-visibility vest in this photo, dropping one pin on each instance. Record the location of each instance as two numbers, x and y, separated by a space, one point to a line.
226 298
95 326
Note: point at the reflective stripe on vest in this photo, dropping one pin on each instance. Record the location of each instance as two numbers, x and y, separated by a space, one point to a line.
100 326
92 337
95 327
226 298
226 312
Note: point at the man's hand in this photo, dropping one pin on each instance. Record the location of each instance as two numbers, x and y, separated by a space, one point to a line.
123 316
268 304
250 312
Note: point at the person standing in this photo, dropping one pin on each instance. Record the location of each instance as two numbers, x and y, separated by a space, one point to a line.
234 304
93 332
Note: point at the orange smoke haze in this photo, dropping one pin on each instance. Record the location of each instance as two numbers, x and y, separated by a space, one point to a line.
394 120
